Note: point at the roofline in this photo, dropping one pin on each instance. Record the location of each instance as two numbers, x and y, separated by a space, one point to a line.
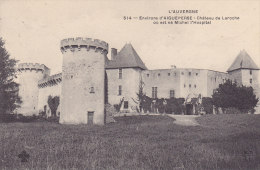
243 68
188 69
124 67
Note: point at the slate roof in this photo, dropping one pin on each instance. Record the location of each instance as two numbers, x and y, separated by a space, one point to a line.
126 58
243 60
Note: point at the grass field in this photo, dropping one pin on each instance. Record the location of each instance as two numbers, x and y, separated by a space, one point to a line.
137 142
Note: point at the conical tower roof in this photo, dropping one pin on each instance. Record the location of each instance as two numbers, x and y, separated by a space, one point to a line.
127 58
243 61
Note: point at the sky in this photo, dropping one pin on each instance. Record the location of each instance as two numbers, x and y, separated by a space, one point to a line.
33 30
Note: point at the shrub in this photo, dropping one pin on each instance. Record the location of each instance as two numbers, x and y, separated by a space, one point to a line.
230 95
232 110
207 104
6 118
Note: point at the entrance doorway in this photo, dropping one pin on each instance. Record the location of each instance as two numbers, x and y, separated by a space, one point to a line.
189 109
90 118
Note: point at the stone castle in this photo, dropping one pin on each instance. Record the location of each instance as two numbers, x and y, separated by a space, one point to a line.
87 73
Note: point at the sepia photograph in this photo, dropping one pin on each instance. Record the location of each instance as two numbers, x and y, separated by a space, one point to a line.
149 85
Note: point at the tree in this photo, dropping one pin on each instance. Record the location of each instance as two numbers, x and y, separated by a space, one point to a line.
207 104
9 98
140 95
230 95
53 103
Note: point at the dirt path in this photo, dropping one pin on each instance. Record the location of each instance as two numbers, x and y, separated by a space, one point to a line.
185 120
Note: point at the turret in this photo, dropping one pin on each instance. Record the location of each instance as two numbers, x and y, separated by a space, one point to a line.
28 76
83 74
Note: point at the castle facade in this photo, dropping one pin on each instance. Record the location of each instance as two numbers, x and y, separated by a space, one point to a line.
87 74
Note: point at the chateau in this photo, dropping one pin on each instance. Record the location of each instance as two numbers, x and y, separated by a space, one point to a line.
87 73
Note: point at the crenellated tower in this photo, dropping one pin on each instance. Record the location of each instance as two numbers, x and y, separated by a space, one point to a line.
28 76
83 73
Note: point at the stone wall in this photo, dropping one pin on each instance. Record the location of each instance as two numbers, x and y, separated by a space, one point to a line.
214 78
83 73
50 86
28 76
130 86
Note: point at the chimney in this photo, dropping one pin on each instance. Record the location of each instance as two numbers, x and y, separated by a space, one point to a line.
113 53
173 66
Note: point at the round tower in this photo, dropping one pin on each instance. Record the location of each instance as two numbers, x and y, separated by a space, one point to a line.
83 74
28 76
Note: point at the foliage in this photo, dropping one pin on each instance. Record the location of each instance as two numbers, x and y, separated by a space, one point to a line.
230 94
8 88
140 96
106 88
53 103
175 105
119 105
207 104
147 101
232 110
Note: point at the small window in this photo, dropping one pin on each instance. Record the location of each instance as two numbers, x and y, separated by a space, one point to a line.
215 79
169 74
125 104
250 72
197 74
251 81
92 90
147 75
189 85
120 73
159 74
182 73
189 73
175 74
184 85
71 76
172 93
120 90
195 85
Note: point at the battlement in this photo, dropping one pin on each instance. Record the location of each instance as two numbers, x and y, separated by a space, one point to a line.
50 81
88 43
32 66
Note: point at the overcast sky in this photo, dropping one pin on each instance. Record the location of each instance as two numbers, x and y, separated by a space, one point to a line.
33 31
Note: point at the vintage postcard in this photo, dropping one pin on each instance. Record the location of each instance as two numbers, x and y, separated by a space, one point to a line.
129 84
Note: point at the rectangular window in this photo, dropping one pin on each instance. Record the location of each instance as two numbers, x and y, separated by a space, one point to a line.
147 75
250 72
154 92
189 73
169 74
172 93
195 86
120 90
251 81
125 104
92 90
190 85
120 73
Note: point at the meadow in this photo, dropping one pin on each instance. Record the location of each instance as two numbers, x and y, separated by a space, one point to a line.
135 142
